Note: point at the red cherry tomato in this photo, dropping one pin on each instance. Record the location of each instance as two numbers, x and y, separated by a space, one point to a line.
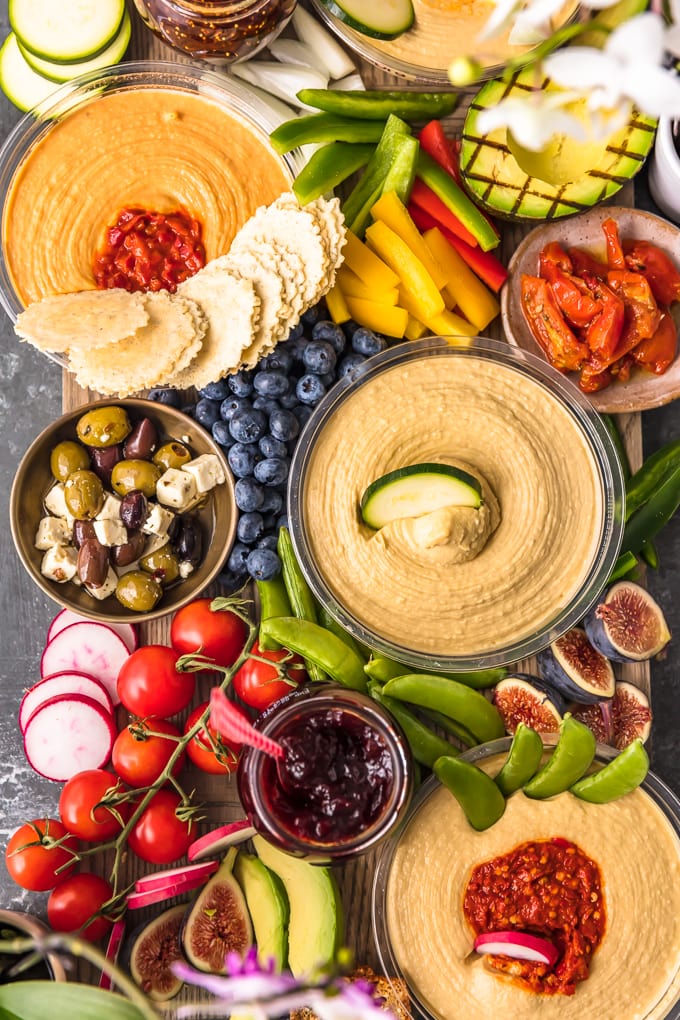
218 759
32 860
260 685
139 755
78 806
75 901
159 836
149 684
218 634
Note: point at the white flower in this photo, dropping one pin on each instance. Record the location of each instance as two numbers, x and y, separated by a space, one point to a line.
529 20
533 120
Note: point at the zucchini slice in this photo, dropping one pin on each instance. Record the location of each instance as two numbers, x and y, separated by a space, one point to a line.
65 32
418 489
112 54
380 19
21 84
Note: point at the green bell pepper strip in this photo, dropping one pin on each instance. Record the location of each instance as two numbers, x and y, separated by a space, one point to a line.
402 173
273 602
457 201
571 759
323 127
453 699
477 794
331 624
624 565
426 746
617 439
650 554
653 515
374 104
655 470
317 645
328 167
523 760
369 186
302 601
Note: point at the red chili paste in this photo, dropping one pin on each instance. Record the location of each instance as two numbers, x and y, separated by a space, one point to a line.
147 250
549 888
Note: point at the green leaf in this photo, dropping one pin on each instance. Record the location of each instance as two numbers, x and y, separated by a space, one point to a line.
35 1000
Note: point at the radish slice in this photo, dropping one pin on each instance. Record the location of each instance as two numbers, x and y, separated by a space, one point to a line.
146 898
68 734
127 631
91 648
112 950
191 875
518 945
218 840
338 63
62 683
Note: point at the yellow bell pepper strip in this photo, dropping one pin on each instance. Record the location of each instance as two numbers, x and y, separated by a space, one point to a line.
352 286
337 306
323 127
466 290
329 166
374 104
456 200
412 273
389 209
449 324
387 319
415 329
357 205
370 269
402 174
415 307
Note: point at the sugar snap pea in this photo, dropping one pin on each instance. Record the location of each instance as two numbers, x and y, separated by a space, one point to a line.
380 668
331 624
317 645
302 600
522 762
374 104
273 602
477 794
571 758
453 699
426 746
450 726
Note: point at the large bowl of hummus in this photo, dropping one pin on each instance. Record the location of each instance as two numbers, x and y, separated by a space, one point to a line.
151 135
427 882
458 588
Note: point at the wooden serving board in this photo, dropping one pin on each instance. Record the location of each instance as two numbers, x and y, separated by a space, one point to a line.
218 796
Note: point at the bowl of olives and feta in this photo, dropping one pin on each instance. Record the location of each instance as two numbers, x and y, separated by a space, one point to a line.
123 509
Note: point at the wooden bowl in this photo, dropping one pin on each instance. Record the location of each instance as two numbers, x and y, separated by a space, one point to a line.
644 389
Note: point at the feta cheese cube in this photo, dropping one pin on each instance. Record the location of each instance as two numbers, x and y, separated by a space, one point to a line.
110 510
206 471
176 488
59 563
110 532
52 531
55 501
158 520
153 543
127 568
107 588
185 568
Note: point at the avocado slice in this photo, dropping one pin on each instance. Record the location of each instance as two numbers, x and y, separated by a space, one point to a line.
497 183
315 926
268 908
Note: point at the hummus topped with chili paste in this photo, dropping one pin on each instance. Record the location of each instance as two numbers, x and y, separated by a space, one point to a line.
149 148
460 581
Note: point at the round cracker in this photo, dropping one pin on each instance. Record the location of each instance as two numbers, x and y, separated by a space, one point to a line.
87 318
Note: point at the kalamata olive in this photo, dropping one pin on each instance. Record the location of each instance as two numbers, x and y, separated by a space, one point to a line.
82 531
189 541
93 563
66 458
174 527
123 555
103 459
142 441
138 591
172 455
84 494
135 474
162 563
133 509
104 426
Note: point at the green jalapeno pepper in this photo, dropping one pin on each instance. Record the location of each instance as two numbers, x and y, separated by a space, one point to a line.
453 699
328 653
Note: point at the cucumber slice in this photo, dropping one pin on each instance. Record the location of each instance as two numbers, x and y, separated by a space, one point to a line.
381 19
21 84
65 32
418 489
112 54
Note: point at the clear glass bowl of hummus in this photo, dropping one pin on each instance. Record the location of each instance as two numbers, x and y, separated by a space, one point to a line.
151 134
422 872
455 591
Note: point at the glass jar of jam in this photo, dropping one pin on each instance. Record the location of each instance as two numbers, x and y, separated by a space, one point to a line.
345 779
225 30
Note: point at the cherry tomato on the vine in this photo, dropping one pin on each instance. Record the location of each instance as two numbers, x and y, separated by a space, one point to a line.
32 859
149 684
159 836
76 900
78 806
259 684
201 751
141 751
218 634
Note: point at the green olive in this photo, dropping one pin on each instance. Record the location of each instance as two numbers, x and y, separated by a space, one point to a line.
162 563
66 458
135 474
84 495
138 591
172 455
104 426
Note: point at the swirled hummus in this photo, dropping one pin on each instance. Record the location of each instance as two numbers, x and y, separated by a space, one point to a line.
459 581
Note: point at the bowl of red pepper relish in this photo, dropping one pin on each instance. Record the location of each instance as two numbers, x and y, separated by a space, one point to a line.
344 781
600 882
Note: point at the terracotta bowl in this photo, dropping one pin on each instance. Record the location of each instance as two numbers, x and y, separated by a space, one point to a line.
644 389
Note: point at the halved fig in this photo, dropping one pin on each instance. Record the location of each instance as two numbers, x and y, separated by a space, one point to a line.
522 697
598 718
154 950
576 669
218 922
631 715
628 625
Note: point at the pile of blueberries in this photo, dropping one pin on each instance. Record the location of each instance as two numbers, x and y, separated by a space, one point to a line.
257 416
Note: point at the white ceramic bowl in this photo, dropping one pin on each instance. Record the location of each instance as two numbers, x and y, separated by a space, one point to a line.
664 171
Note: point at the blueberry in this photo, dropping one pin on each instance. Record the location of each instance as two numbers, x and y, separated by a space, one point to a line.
310 389
283 425
311 315
221 434
215 390
328 379
189 409
319 357
241 383
351 365
248 426
241 458
237 558
282 521
270 447
271 471
250 527
350 327
297 347
266 404
231 582
273 501
248 494
264 564
365 341
303 412
331 333
278 361
231 404
268 542
289 400
166 395
207 412
295 332
270 383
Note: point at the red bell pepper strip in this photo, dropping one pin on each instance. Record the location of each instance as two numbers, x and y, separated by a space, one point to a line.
425 197
615 257
483 263
656 267
576 302
658 351
456 200
434 142
563 349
